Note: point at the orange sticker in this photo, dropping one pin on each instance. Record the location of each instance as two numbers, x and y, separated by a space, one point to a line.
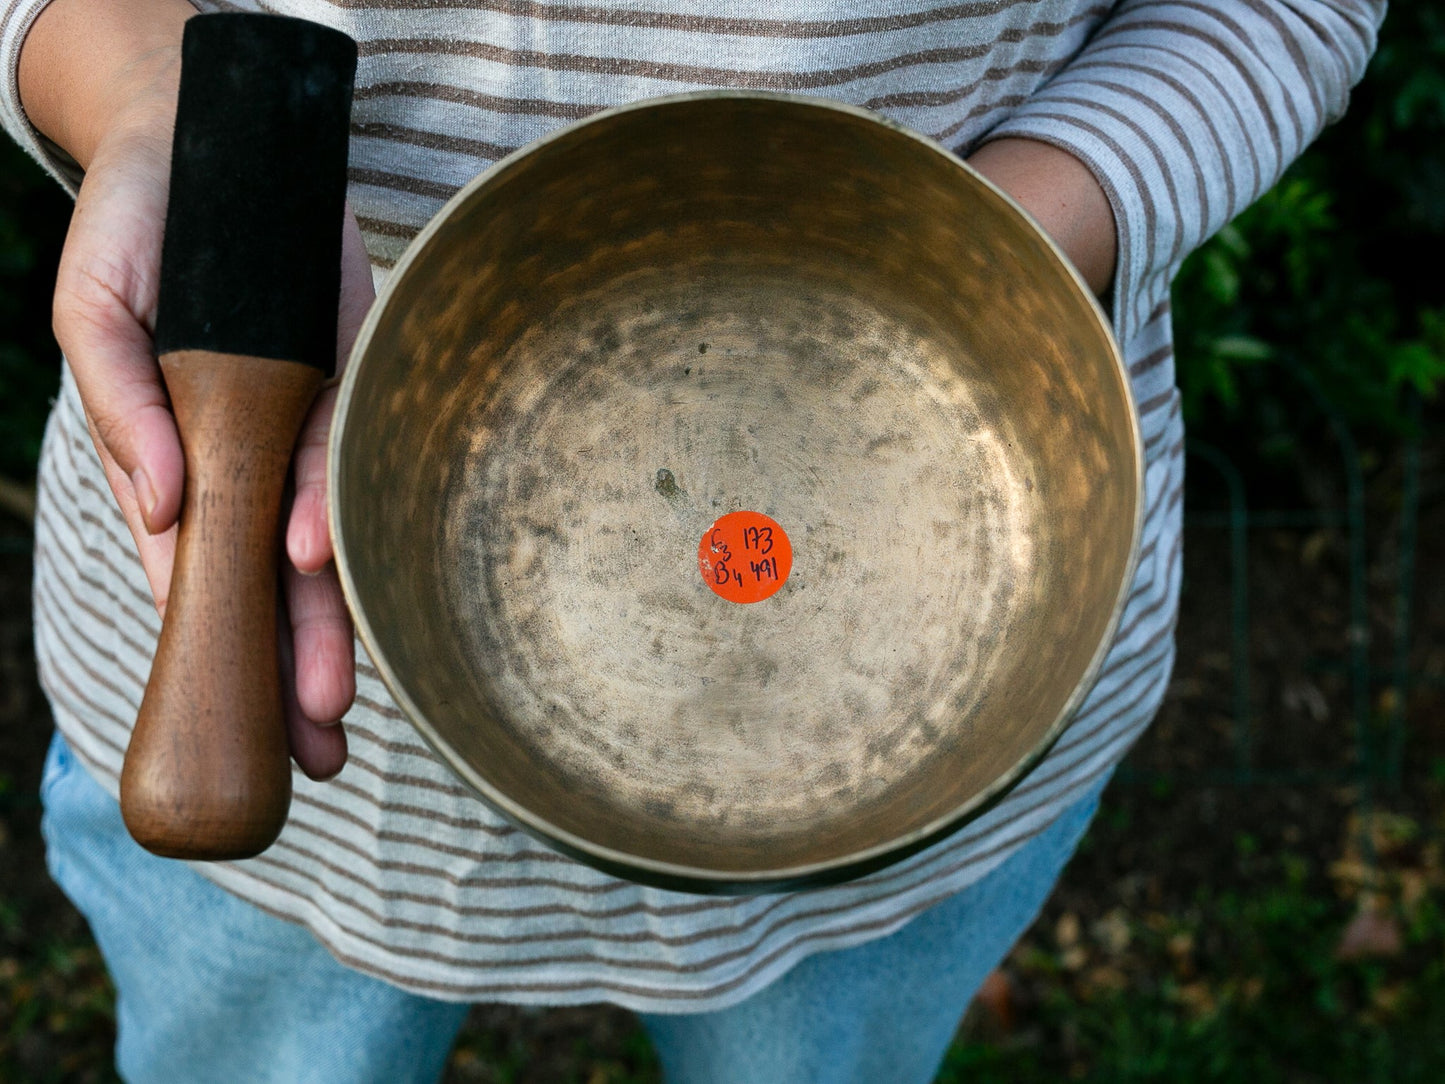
745 557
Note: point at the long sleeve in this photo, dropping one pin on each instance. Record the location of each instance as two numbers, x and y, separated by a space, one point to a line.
1188 110
16 18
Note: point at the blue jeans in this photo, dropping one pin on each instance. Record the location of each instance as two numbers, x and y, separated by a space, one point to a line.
209 988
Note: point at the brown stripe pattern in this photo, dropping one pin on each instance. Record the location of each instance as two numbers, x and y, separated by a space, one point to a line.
1217 98
1184 110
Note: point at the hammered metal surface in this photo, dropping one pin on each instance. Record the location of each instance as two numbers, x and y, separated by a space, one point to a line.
718 304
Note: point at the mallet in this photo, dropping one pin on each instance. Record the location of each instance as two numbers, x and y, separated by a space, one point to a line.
246 333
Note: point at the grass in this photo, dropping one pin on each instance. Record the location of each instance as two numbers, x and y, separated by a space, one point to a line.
1253 982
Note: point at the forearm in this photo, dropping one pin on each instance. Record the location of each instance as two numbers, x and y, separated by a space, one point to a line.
1063 197
1186 112
88 66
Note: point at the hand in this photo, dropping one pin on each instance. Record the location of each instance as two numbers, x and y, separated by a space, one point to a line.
105 305
1064 198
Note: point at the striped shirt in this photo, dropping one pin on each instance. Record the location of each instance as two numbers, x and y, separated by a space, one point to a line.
1185 111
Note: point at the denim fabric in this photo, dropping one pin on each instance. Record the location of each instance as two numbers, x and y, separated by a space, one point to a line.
885 1011
209 988
212 989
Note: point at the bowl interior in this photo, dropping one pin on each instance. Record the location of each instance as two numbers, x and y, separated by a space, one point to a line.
721 304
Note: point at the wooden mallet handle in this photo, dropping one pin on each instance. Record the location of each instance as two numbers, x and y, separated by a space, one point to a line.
246 332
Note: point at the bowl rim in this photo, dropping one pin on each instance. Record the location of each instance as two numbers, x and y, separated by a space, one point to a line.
674 875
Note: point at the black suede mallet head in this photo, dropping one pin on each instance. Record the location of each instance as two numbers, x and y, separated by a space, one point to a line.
258 187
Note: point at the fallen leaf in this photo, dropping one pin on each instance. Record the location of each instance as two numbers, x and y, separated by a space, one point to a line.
996 998
1388 999
1066 931
1102 979
1181 947
1430 861
1371 935
1351 874
1390 832
1112 932
1414 888
1074 958
1197 998
1314 548
1305 697
1181 950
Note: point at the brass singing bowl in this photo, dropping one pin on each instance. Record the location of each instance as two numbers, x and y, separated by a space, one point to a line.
724 302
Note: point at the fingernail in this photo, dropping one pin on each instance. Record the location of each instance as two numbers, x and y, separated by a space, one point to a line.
144 493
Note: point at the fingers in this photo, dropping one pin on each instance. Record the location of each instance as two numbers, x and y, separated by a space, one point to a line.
325 655
319 750
104 306
321 682
105 300
308 539
125 402
320 650
157 551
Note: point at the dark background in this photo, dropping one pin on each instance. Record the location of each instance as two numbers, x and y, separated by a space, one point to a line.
1263 894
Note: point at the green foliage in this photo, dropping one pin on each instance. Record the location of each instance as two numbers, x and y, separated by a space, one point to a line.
1313 276
54 996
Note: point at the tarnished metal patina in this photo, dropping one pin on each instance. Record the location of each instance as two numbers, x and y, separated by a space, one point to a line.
736 303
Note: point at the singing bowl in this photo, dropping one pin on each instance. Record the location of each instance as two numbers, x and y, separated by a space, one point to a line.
735 302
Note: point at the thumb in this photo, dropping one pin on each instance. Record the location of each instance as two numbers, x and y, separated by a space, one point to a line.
125 404
105 300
